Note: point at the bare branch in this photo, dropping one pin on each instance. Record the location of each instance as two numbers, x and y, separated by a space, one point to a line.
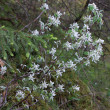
32 21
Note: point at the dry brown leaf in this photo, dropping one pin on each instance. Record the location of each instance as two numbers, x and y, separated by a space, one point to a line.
1 77
1 63
4 93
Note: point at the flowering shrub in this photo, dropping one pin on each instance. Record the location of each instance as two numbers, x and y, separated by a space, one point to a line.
78 47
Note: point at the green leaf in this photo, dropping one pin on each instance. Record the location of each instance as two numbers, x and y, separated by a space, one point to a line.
27 54
36 49
91 8
86 53
11 54
69 31
4 55
11 43
74 98
86 43
2 27
30 43
54 38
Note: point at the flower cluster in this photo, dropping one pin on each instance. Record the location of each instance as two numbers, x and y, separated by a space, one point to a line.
81 39
55 20
97 14
45 6
35 32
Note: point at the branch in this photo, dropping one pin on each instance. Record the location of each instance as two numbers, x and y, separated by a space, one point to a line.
32 21
68 8
20 101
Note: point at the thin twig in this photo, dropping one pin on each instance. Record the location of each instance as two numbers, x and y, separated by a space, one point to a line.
32 21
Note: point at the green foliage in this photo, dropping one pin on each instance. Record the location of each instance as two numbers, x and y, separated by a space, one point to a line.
19 45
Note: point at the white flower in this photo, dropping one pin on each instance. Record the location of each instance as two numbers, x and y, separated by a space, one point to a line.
77 45
88 19
74 34
57 43
74 25
22 65
63 69
64 13
35 67
79 59
35 87
44 85
24 79
61 87
3 70
18 70
26 105
87 63
2 87
86 27
32 97
42 25
26 88
100 41
86 37
53 51
20 94
99 49
46 69
54 21
71 65
68 45
51 83
58 73
45 6
52 94
95 54
76 88
59 14
94 7
31 77
35 32
36 100
43 96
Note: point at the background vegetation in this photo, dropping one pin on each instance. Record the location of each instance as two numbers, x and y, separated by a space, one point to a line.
16 44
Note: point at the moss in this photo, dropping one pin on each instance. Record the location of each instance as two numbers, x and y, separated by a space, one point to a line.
78 100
